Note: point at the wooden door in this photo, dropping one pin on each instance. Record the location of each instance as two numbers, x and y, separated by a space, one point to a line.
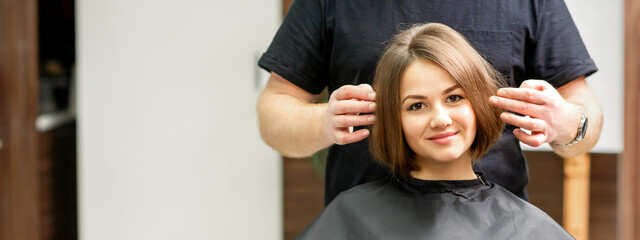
19 169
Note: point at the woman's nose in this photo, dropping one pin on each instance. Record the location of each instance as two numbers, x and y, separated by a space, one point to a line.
441 118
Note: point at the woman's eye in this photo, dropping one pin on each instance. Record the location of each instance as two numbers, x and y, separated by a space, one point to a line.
416 106
454 98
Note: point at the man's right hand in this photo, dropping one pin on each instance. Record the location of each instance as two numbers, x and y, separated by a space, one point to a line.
294 125
344 111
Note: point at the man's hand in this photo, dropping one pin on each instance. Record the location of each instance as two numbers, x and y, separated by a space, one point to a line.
551 118
295 125
343 113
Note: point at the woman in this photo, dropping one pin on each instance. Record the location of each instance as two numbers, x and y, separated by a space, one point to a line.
432 122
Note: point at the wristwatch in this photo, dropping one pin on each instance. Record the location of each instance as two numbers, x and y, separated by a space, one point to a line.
582 131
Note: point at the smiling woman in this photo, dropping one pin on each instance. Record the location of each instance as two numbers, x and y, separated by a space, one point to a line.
425 61
432 121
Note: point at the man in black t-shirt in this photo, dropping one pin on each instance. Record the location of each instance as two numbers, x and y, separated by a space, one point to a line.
336 44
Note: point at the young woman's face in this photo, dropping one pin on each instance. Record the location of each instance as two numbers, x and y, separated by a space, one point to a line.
438 121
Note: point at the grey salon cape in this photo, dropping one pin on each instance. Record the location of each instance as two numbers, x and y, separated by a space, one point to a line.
420 209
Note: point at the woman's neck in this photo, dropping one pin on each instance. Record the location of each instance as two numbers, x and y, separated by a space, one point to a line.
459 169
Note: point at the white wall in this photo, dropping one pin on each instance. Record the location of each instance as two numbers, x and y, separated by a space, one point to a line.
601 26
168 141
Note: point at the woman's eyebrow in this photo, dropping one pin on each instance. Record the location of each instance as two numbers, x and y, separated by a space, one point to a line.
419 97
448 90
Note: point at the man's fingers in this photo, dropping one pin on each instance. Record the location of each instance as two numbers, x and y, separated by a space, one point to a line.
352 107
360 92
531 124
343 121
366 87
524 94
536 84
534 140
518 106
344 137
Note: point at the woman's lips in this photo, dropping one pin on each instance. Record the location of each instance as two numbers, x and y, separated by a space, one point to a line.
443 138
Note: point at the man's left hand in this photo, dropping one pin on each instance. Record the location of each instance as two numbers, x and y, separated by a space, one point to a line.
551 118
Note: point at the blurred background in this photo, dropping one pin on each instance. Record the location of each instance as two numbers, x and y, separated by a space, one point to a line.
136 120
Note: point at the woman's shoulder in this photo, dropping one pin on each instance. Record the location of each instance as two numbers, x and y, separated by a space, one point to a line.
529 220
349 215
377 189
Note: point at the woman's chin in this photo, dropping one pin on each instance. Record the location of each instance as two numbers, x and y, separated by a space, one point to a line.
447 158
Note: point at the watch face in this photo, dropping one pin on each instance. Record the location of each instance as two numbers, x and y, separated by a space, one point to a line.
583 128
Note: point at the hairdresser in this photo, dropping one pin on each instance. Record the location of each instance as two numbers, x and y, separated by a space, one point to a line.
336 44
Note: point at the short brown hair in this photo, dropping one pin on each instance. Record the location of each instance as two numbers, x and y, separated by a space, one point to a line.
449 49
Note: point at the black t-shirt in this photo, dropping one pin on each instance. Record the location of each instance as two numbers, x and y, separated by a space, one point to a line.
331 43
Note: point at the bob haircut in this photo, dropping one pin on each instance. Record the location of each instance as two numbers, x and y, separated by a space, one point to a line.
449 49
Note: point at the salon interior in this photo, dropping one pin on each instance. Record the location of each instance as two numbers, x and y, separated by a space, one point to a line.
137 120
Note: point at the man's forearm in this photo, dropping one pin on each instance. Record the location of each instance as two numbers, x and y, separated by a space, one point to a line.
291 126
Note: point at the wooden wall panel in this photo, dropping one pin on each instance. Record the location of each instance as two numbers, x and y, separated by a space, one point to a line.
285 6
303 195
629 212
545 187
19 169
546 190
603 196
